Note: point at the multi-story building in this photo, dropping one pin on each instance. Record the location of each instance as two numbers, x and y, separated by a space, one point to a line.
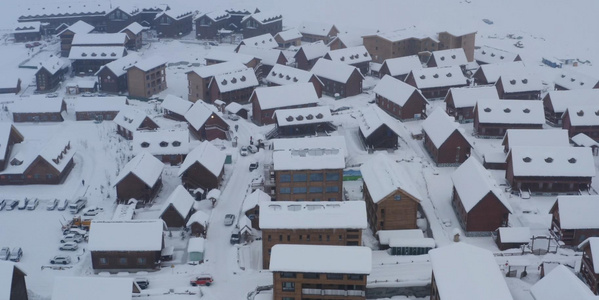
261 23
209 25
147 77
67 35
174 23
198 79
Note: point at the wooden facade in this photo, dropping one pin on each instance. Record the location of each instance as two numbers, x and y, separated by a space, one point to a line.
17 285
309 185
146 124
590 129
197 176
352 87
40 171
145 83
414 105
498 129
55 116
13 137
240 95
302 62
173 218
570 237
125 260
521 95
259 24
487 215
454 150
117 19
110 83
47 81
398 210
214 128
208 26
298 285
432 92
382 138
172 25
132 186
587 270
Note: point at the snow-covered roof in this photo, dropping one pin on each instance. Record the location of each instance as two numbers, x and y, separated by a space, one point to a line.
235 81
79 27
510 111
402 65
180 200
7 269
261 41
438 77
312 215
350 55
536 137
196 244
148 63
290 34
450 57
384 176
583 115
463 271
125 212
6 130
54 64
493 71
162 142
559 284
130 118
323 142
92 288
514 82
552 161
592 242
176 14
97 52
264 17
439 126
490 55
39 104
109 39
283 75
473 182
582 139
314 50
386 235
467 96
57 153
176 104
224 57
321 259
215 16
308 159
335 71
199 217
372 118
515 234
93 104
560 100
304 115
412 242
578 212
83 82
28 27
206 155
145 167
404 34
268 56
117 236
134 27
573 80
221 68
119 67
286 95
254 199
234 107
350 39
316 28
199 113
395 90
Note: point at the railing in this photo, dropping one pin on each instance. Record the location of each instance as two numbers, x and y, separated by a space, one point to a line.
333 292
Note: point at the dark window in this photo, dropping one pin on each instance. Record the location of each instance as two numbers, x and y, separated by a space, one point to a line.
315 189
285 178
288 286
316 177
332 189
332 176
285 190
311 275
287 275
335 276
355 277
141 260
103 260
300 190
122 261
301 177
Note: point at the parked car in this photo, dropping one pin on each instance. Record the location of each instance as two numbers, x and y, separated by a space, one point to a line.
2 204
243 151
234 238
202 280
52 95
488 21
32 205
4 253
52 205
229 219
143 283
61 259
11 204
63 204
254 166
71 237
93 211
16 254
23 204
70 246
252 149
76 231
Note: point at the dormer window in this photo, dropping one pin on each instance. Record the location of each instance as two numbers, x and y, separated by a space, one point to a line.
163 144
487 109
580 113
513 81
224 82
145 144
242 78
507 110
526 110
527 159
176 144
548 160
436 76
572 160
525 81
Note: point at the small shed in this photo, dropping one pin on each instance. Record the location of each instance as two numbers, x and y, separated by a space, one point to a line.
237 109
195 250
405 242
512 237
198 223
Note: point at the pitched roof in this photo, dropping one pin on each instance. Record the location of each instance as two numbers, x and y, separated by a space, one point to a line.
514 234
37 104
314 50
402 65
304 115
206 155
350 55
119 67
583 115
97 52
321 259
335 71
552 161
84 39
395 90
490 55
403 34
286 95
176 104
573 80
148 63
162 142
438 77
493 71
384 176
219 55
268 56
254 199
450 57
215 15
316 28
510 111
199 217
439 127
79 27
560 100
467 96
592 242
54 64
180 200
176 14
262 41
94 104
283 75
221 68
323 142
235 81
584 140
514 82
27 27
199 113
117 236
578 212
561 283
264 17
92 288
130 118
536 137
290 34
7 269
312 215
134 27
6 130
308 159
145 167
372 118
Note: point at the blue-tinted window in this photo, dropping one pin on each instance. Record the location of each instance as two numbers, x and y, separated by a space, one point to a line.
301 177
332 176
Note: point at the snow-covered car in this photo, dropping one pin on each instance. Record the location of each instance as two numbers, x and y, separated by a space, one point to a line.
61 259
4 253
202 280
234 238
243 151
229 219
252 149
143 283
16 254
11 204
52 95
70 246
71 237
233 117
76 231
63 204
52 205
254 166
93 211
32 205
87 94
23 204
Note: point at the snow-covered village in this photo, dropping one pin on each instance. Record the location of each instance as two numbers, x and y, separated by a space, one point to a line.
299 150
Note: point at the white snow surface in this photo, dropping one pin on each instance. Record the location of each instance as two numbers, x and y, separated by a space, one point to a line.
206 155
261 41
119 67
578 212
92 288
309 115
148 63
199 113
592 242
386 235
134 27
372 118
315 50
198 217
117 235
284 75
219 55
583 115
537 137
467 96
332 70
559 284
491 55
92 104
145 167
79 27
439 77
450 57
235 81
321 259
552 161
312 215
573 80
516 81
316 28
97 52
7 269
561 100
383 176
314 142
515 234
83 39
582 139
403 65
54 64
510 111
254 199
37 104
176 104
130 118
439 126
395 90
267 56
221 68
351 55
494 71
196 244
181 201
154 139
289 34
286 95
308 159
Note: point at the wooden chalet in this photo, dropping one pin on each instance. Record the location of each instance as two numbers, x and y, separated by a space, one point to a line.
550 169
203 167
135 37
99 40
81 85
218 57
348 39
434 83
251 206
38 109
13 286
355 56
518 86
588 270
512 237
288 38
120 17
306 121
339 80
212 25
198 79
477 200
535 137
114 250
489 55
582 119
147 77
233 87
112 77
489 74
99 108
129 121
10 85
268 99
555 103
9 137
317 31
563 283
175 108
400 67
198 223
493 117
285 75
169 146
237 109
265 40
399 99
268 58
206 122
443 139
50 73
27 32
178 208
572 80
572 219
140 179
173 23
87 60
67 35
392 200
261 23
460 102
378 130
308 54
448 58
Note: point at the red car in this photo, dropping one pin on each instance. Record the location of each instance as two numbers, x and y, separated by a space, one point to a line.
202 280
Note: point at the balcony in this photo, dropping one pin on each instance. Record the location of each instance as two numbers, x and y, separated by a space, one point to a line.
323 292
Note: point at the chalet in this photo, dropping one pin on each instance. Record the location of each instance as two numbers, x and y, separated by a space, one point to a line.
237 14
237 109
535 137
134 34
32 162
400 67
317 31
38 109
265 40
113 250
583 140
493 117
378 130
460 102
348 39
147 14
233 87
582 119
518 86
268 99
434 83
315 142
355 56
461 262
555 103
92 287
12 286
219 56
288 38
452 39
173 23
304 121
392 200
268 58
120 17
146 77
198 79
210 25
99 40
206 123
50 73
81 85
399 99
130 120
198 223
477 200
28 31
310 223
339 79
175 108
550 169
10 85
178 208
9 136
251 208
448 58
67 35
512 237
443 140
489 55
140 178
489 74
203 167
572 221
563 283
261 23
588 271
89 59
309 174
99 108
169 146
58 16
405 242
308 54
112 77
284 75
571 80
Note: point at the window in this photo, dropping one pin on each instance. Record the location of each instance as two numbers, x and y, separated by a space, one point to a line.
355 277
307 237
285 190
311 275
332 189
49 176
288 298
316 177
287 275
288 286
103 260
280 237
335 276
123 261
300 190
141 260
269 237
332 176
285 178
315 189
288 238
301 177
